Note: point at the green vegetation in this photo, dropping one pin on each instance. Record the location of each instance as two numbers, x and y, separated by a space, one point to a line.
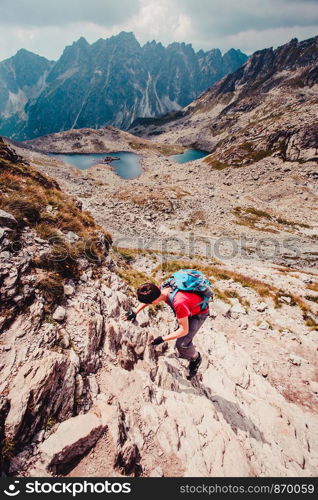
7 451
313 298
251 217
50 423
164 149
313 286
252 153
215 163
135 278
246 150
51 285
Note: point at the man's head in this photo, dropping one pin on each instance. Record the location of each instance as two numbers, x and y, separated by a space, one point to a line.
148 293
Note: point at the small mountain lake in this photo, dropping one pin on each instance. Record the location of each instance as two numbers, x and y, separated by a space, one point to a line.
189 155
125 164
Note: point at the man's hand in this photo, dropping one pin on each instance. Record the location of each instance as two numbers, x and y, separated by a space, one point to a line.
129 315
157 341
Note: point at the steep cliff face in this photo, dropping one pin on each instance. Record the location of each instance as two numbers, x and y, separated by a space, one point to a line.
268 106
77 380
22 78
115 81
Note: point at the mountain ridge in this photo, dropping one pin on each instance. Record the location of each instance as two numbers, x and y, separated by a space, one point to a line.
268 106
113 81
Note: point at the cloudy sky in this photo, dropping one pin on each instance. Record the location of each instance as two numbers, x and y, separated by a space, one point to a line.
47 26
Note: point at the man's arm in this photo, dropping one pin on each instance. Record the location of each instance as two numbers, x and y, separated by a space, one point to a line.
141 307
182 331
131 315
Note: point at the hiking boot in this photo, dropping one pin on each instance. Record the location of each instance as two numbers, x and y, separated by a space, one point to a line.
194 366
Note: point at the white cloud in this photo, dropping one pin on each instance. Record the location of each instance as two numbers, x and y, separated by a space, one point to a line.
251 40
160 20
46 27
60 12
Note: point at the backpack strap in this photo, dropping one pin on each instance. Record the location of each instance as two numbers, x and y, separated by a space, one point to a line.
171 297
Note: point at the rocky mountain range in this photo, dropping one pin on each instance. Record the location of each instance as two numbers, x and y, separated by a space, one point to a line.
268 106
112 81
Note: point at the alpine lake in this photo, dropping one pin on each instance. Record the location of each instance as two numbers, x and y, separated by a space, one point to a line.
125 164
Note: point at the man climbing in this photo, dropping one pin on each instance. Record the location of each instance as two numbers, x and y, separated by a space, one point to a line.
187 292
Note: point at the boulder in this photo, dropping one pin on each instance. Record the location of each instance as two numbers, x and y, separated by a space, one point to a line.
220 308
72 237
72 439
263 325
59 314
237 309
68 290
261 307
7 220
313 386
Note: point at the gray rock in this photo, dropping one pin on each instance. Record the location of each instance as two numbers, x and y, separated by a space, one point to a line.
93 385
7 220
59 314
4 231
68 290
238 309
263 325
72 439
72 237
220 307
295 360
65 339
285 299
261 307
313 386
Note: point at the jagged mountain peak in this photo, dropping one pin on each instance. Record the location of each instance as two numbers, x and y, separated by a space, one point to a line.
266 107
24 55
263 64
82 42
125 38
115 81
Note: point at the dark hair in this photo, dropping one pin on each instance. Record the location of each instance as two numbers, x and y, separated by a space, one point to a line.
148 292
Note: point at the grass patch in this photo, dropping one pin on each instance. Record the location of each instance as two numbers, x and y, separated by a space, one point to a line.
311 324
251 216
164 149
51 285
135 278
215 163
253 154
195 218
313 298
8 448
154 310
313 286
51 421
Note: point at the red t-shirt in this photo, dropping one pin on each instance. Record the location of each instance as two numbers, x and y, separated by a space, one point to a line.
185 304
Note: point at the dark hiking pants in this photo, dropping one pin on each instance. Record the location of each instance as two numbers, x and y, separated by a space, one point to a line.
184 344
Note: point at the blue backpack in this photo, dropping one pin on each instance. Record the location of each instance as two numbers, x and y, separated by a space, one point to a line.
190 280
